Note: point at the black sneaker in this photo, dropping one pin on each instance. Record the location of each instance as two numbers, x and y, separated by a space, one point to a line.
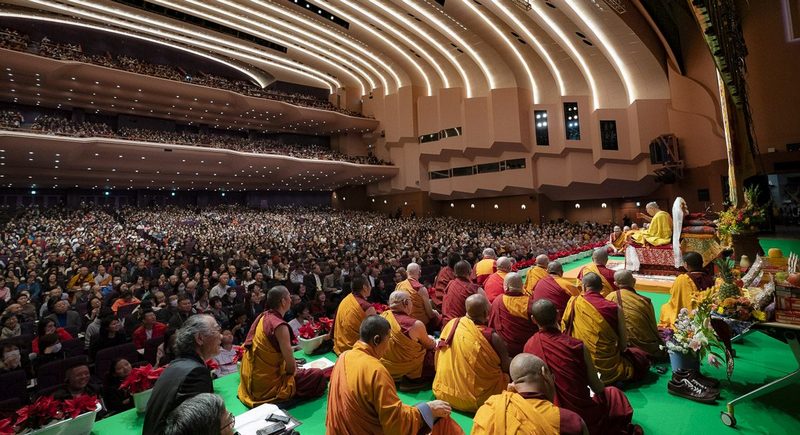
695 376
689 390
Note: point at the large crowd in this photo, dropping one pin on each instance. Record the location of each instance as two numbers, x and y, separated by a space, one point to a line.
15 40
66 276
62 126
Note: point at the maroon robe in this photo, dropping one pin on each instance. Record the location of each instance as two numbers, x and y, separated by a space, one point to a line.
548 288
445 275
607 273
571 423
702 280
493 286
406 322
455 298
514 330
609 414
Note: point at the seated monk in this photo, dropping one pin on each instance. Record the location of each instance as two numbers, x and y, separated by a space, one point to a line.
599 324
526 407
363 399
409 354
554 288
445 275
535 273
471 359
457 292
509 316
269 373
420 301
485 267
353 309
659 232
686 285
640 317
493 286
608 411
598 266
616 241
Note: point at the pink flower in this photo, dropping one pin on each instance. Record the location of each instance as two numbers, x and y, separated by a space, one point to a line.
695 345
714 361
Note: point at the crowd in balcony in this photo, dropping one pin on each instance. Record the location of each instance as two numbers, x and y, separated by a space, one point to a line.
15 40
10 119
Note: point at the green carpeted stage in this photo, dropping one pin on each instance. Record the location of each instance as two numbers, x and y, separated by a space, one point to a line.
760 359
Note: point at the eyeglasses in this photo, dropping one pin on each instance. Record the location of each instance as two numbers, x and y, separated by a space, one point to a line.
231 421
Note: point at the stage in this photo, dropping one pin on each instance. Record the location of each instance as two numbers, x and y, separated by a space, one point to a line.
648 283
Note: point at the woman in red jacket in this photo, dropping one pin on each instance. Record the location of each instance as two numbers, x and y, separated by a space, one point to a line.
48 326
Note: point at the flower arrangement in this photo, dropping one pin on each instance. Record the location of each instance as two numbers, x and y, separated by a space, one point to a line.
735 220
46 410
141 379
314 329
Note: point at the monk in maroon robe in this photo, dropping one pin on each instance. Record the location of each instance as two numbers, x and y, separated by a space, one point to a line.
493 286
555 288
598 266
510 315
445 275
457 292
609 411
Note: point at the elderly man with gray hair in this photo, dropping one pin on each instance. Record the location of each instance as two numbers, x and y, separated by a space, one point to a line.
204 414
187 376
485 267
510 316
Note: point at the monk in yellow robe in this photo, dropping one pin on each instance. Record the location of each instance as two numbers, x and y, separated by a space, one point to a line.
353 309
616 241
535 273
409 355
363 399
269 372
471 359
599 324
422 309
485 267
687 286
660 230
640 317
527 406
598 266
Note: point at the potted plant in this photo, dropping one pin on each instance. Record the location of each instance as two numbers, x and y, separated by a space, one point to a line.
313 333
47 416
139 384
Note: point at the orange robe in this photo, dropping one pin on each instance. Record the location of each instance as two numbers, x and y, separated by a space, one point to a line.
681 295
411 286
493 286
349 315
445 275
658 233
557 290
405 356
458 290
483 269
467 366
511 413
606 275
511 319
263 373
640 321
363 400
532 278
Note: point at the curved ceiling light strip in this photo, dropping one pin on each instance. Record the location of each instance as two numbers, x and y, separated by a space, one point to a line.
262 35
539 47
144 38
409 42
292 66
501 34
444 27
334 35
440 48
297 32
587 72
386 40
606 45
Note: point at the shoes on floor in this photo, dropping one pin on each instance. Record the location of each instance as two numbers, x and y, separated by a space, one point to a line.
697 376
684 387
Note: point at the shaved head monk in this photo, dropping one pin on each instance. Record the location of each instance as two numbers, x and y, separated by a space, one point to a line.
353 309
485 267
493 286
269 373
509 316
422 309
445 275
599 324
410 351
609 411
686 285
555 288
527 406
598 266
640 317
457 292
471 359
363 398
535 273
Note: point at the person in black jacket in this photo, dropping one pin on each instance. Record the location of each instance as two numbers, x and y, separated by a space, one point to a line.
111 334
115 399
187 376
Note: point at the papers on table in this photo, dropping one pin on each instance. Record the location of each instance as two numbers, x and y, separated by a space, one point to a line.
322 364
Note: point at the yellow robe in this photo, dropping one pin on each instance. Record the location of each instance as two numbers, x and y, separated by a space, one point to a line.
640 321
600 340
263 376
619 242
591 267
658 233
533 276
468 371
404 356
567 285
417 302
349 316
509 413
680 296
